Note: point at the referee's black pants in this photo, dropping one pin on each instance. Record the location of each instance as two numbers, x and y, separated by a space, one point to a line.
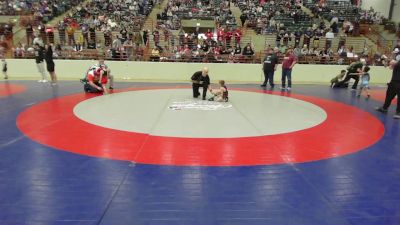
391 92
196 92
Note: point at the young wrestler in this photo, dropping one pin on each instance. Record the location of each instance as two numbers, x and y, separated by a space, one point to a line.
220 94
96 81
365 77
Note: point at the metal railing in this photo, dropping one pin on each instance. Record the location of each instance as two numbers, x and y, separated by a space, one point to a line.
384 46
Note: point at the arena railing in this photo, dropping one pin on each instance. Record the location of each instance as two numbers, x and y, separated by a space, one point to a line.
94 54
384 45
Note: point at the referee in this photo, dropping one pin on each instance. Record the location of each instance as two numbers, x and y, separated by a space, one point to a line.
200 79
393 90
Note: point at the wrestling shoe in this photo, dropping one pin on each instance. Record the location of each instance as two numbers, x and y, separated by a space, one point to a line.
380 109
396 116
211 99
111 88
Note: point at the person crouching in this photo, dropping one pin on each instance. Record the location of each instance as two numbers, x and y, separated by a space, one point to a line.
96 81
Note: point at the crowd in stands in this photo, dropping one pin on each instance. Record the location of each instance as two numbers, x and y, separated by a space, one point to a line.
270 16
42 10
205 47
113 28
344 11
217 10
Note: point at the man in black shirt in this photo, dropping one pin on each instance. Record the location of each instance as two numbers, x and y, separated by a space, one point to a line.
393 90
200 79
248 50
269 67
355 67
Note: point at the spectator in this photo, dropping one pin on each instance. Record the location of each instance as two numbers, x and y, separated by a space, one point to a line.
287 65
155 54
329 38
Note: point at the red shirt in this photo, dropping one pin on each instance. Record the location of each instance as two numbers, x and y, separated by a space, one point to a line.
288 61
220 34
209 35
94 76
238 34
228 35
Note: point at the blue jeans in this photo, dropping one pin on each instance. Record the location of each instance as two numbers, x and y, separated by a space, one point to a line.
287 73
269 77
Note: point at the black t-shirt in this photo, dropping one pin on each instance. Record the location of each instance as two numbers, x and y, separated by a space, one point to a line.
198 76
248 51
396 73
91 45
238 51
353 67
49 56
269 62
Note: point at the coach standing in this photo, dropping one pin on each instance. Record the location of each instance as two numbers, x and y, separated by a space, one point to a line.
393 90
287 65
269 67
200 79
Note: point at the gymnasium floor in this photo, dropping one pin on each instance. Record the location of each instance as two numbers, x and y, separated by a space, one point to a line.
150 154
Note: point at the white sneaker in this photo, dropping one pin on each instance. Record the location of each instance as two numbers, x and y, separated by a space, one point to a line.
45 81
40 81
289 88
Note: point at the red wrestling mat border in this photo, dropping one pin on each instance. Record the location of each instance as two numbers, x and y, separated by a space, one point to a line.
7 89
346 130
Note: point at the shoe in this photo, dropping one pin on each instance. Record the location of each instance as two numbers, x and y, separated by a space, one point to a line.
353 89
204 98
263 85
45 81
358 96
111 88
289 88
283 88
272 87
211 99
380 109
40 81
396 116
